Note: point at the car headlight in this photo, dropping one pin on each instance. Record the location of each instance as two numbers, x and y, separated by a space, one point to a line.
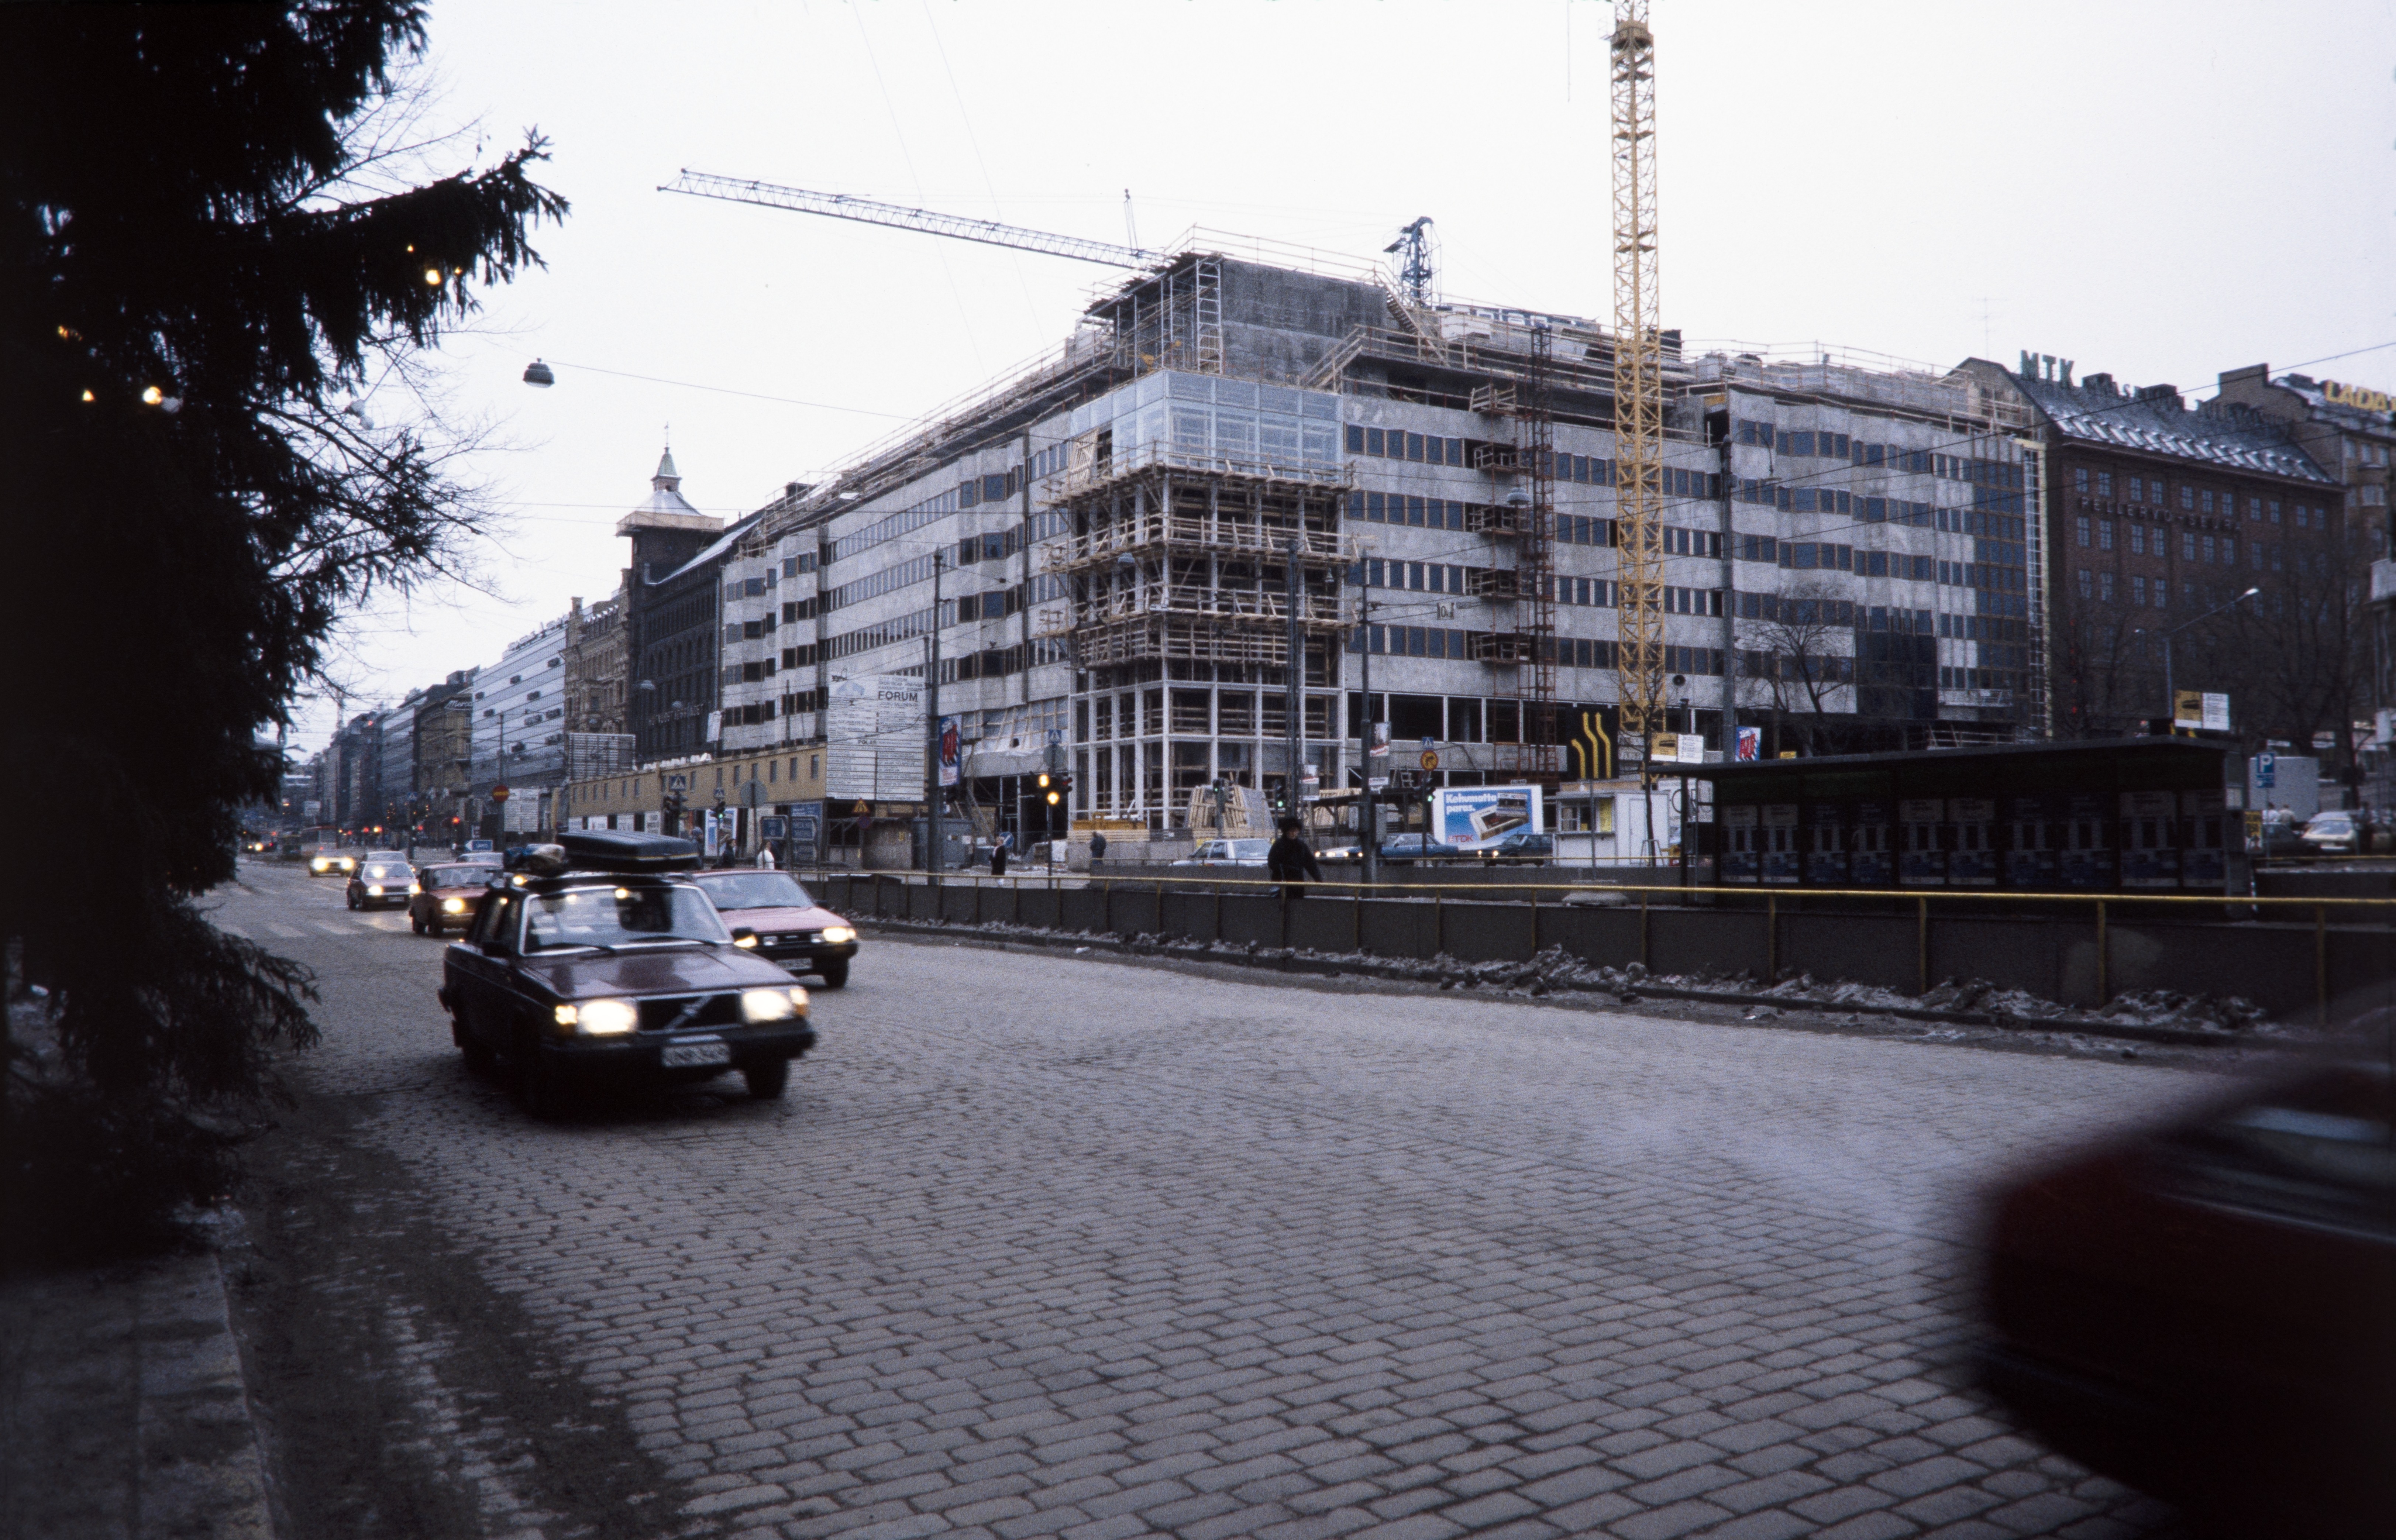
349 866
453 906
600 1018
748 941
837 934
322 865
772 1005
415 888
374 889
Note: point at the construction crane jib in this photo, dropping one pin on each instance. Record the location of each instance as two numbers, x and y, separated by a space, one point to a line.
840 206
1638 376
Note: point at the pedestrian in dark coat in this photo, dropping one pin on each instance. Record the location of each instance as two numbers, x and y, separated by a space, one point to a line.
998 858
1291 863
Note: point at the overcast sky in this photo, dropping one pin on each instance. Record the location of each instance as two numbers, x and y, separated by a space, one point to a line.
2162 191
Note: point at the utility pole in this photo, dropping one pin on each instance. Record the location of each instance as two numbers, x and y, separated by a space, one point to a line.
932 852
1364 652
1294 724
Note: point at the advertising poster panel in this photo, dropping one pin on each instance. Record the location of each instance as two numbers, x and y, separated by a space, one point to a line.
1469 815
873 731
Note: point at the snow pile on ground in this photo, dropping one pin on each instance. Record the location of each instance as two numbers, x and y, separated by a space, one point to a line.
2185 1012
1555 971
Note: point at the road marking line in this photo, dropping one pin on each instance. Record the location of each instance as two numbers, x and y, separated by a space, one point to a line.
283 933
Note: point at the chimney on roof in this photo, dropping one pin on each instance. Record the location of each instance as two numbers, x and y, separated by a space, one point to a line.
2100 383
2161 394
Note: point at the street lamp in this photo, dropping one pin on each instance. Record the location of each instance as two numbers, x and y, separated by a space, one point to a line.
2171 697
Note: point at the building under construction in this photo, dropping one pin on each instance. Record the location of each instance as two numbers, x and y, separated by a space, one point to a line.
1248 470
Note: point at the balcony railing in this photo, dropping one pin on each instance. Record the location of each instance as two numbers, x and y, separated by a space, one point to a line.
1221 533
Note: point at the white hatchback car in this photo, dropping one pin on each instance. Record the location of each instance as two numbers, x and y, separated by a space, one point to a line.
1227 853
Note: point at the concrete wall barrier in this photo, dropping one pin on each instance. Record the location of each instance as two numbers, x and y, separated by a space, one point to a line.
2291 963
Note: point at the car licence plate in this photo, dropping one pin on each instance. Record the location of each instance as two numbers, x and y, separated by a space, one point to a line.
682 1056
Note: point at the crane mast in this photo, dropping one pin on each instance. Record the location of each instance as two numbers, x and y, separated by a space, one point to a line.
840 206
1638 378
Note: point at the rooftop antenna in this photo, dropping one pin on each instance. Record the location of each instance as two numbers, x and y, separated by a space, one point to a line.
1417 253
1131 226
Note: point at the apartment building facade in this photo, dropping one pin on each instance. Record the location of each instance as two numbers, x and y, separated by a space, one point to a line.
2159 516
2351 431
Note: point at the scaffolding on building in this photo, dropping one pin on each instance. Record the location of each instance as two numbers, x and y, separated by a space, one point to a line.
1168 553
1176 568
1525 514
1169 318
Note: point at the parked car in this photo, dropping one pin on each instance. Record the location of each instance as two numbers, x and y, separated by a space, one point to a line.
600 961
2280 836
2338 832
791 929
447 895
1416 847
1227 852
2207 1310
384 880
1514 845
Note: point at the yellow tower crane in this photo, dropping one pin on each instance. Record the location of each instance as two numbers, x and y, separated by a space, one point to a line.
1638 380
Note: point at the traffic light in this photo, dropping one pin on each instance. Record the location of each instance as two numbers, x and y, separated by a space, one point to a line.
1048 790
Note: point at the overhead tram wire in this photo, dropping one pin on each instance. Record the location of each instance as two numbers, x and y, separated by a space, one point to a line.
724 390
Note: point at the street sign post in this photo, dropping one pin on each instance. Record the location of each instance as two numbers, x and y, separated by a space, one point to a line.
1431 758
499 794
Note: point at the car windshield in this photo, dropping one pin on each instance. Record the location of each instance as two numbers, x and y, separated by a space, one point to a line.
459 876
2329 823
619 916
1250 850
748 890
385 871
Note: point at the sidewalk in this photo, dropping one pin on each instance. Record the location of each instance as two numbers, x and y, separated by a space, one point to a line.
123 1414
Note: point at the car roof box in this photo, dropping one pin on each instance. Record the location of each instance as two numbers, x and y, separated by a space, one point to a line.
622 850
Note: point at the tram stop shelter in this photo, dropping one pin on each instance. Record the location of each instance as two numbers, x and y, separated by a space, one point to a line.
2110 815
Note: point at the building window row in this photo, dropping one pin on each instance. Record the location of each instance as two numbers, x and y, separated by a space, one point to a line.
1400 509
2153 492
1811 668
1978 679
1396 444
874 584
997 487
882 633
1802 444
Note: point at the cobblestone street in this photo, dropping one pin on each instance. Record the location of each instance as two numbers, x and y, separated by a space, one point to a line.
1040 1244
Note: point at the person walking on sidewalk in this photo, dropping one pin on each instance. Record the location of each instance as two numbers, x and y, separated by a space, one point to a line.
1291 863
998 855
766 857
